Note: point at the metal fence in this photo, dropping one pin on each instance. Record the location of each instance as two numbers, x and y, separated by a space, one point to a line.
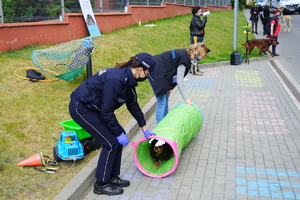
46 10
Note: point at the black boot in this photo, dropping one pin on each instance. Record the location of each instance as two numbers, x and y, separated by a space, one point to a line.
108 189
119 182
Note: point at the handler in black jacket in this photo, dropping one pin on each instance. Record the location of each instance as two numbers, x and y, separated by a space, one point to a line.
92 107
266 13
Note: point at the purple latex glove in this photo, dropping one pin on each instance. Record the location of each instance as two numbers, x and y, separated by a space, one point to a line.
147 133
123 139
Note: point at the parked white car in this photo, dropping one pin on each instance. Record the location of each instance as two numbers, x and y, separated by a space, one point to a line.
261 3
289 5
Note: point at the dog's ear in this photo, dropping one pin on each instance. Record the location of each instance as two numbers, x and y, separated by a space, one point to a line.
275 42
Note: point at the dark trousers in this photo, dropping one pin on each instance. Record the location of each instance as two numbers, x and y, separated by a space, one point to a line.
254 25
264 22
274 46
109 162
195 39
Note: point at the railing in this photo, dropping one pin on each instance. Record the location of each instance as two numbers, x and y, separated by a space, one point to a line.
54 10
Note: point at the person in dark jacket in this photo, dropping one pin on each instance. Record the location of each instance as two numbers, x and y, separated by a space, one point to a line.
274 29
197 33
92 107
254 18
197 26
171 67
266 15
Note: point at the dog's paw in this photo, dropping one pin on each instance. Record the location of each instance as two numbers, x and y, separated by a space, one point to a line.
157 165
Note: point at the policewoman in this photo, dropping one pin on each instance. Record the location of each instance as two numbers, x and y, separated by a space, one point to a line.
92 107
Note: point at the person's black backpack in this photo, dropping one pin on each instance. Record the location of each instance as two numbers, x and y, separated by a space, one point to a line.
267 28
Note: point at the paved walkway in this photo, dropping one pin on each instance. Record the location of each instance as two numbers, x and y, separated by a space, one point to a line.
249 144
288 49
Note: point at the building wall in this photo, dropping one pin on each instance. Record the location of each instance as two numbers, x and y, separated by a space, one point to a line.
17 35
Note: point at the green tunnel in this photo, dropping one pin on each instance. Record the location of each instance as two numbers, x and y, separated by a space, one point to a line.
177 129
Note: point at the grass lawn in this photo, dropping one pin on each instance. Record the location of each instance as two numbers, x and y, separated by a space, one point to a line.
31 111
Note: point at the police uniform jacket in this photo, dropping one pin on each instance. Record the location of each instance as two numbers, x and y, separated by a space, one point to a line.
108 90
166 68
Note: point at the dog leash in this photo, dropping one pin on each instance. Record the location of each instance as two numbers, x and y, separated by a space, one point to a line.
53 166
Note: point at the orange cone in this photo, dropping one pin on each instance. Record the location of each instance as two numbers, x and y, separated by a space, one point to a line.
34 160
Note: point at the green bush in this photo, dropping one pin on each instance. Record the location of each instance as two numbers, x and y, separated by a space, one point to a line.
242 4
36 10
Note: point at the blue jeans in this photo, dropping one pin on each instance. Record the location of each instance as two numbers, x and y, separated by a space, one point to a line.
195 39
162 107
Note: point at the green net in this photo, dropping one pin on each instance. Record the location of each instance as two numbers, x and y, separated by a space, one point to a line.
65 61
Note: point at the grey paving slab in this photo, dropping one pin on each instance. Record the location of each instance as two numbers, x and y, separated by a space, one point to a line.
245 149
288 47
248 146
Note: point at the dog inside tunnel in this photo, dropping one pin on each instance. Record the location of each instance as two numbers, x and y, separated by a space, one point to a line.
153 162
159 151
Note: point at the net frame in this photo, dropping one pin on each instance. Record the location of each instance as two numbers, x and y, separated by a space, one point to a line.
66 60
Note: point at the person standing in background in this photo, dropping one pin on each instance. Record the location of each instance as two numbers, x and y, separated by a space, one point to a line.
197 26
197 33
266 15
275 29
254 17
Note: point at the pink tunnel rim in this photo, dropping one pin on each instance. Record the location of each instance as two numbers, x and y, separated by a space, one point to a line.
173 145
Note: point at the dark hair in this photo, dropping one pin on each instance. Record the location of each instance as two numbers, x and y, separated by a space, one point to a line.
132 62
195 9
